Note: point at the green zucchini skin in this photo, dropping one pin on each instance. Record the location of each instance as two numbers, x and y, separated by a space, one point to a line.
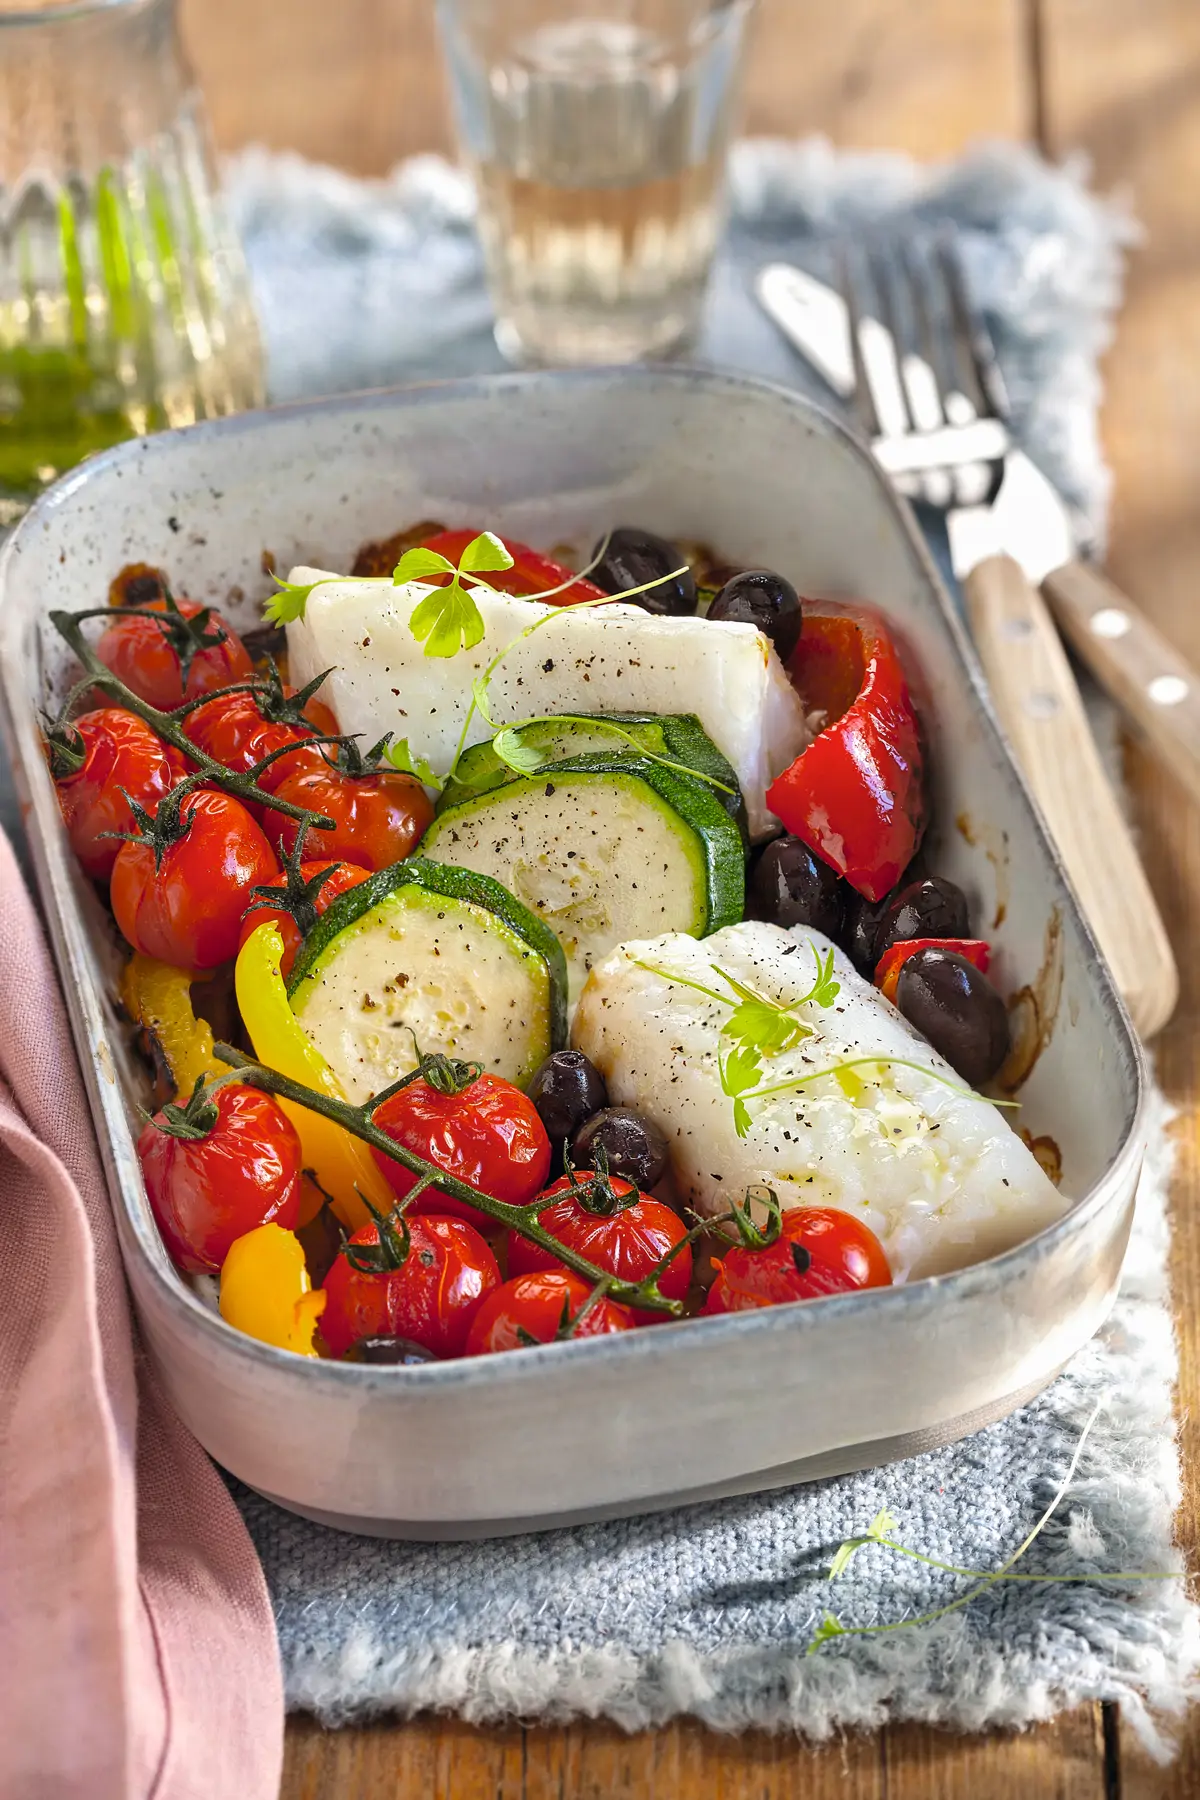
698 805
679 736
452 883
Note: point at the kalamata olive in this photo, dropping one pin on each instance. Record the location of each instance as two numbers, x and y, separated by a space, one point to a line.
633 557
388 1350
760 597
636 1149
934 908
790 885
860 930
957 1009
566 1090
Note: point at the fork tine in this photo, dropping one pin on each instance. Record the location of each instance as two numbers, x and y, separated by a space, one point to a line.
973 339
864 394
882 280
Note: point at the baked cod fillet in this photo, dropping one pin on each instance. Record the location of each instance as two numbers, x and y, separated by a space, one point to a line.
936 1172
587 660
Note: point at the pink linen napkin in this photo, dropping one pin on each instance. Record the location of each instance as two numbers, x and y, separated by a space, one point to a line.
137 1646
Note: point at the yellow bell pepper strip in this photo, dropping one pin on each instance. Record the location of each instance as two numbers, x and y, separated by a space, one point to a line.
159 998
266 1292
341 1163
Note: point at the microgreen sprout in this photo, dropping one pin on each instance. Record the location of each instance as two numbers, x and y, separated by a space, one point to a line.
883 1525
758 1027
400 757
523 759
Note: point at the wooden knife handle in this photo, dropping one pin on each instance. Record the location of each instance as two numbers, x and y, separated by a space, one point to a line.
1145 675
1040 707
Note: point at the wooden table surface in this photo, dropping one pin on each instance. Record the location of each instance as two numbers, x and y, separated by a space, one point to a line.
358 84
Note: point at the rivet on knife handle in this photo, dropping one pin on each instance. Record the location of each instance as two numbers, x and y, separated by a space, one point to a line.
1042 712
1145 674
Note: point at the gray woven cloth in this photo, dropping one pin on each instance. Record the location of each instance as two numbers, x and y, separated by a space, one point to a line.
710 1610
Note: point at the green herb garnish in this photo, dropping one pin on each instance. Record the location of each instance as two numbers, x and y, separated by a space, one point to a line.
448 620
880 1530
402 759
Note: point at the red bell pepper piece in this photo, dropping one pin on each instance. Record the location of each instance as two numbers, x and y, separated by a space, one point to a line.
855 795
531 573
887 970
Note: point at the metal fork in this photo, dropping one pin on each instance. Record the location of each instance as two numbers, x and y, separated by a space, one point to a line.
927 390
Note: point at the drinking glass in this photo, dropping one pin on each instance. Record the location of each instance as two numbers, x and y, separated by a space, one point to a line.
124 302
596 131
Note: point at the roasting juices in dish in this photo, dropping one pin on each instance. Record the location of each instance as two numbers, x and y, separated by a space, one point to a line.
570 960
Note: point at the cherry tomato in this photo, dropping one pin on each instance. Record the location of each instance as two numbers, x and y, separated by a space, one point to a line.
205 1192
819 1250
379 818
533 1305
119 751
342 876
146 655
430 1299
188 910
627 1241
531 573
484 1130
234 731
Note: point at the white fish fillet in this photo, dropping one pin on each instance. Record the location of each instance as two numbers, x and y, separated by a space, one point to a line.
603 659
938 1175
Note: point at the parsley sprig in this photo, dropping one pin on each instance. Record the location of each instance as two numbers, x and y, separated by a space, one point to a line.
447 620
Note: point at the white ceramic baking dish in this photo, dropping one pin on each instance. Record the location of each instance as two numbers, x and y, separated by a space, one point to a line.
688 1410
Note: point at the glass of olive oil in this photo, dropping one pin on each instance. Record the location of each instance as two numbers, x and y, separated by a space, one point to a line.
124 301
596 131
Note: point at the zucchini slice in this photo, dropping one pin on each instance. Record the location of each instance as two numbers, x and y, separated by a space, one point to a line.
444 955
603 849
678 736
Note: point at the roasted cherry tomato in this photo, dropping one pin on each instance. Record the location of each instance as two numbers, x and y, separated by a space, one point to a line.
239 731
887 969
188 909
542 1307
819 1250
531 574
379 817
423 1282
856 795
92 760
207 1191
150 658
609 1222
478 1127
340 877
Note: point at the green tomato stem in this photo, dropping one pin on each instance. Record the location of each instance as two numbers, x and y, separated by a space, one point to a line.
357 1120
242 787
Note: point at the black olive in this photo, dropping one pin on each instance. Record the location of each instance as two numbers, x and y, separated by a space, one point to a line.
760 597
566 1090
633 557
934 908
636 1149
790 885
957 1009
861 929
388 1350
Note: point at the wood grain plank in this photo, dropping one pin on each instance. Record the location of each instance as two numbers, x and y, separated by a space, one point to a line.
443 1759
1064 1759
1123 81
360 84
